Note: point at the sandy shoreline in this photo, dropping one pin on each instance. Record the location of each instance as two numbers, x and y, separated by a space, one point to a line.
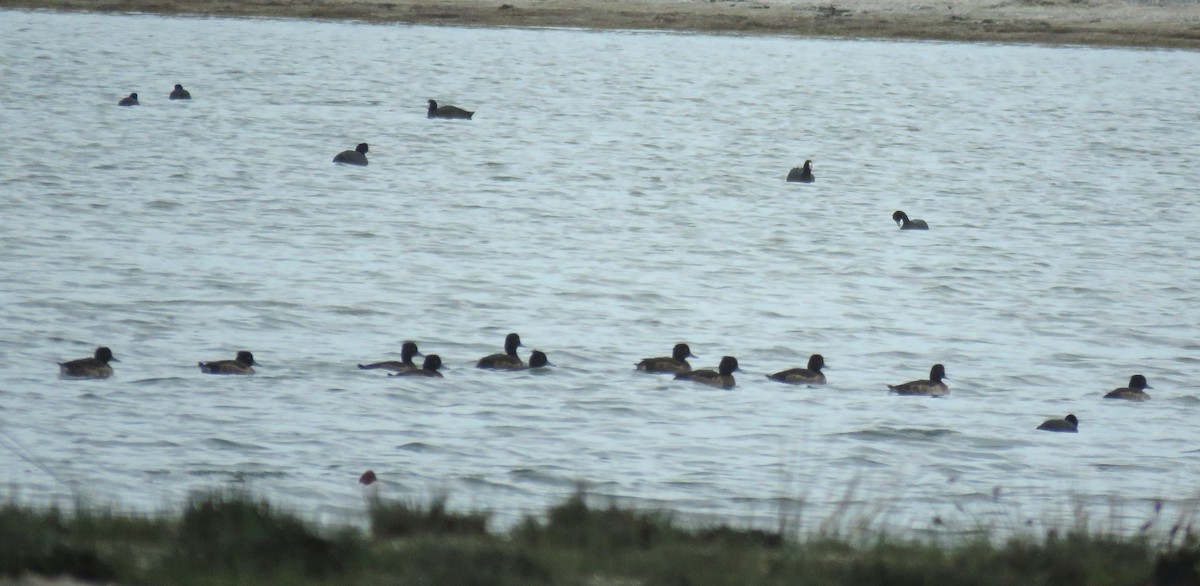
1135 23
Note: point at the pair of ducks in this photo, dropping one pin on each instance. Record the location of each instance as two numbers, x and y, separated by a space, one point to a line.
358 156
509 360
1069 424
405 366
98 365
176 94
1136 391
805 175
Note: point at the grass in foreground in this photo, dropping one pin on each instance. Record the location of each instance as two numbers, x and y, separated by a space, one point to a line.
223 538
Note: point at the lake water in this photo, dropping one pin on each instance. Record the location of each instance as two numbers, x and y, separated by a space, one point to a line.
616 193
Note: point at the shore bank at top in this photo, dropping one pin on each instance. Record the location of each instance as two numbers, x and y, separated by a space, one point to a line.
1162 24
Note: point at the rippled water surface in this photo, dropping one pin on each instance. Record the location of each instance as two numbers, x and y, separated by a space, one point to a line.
616 193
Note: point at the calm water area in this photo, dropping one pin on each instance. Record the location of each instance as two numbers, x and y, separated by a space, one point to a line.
615 193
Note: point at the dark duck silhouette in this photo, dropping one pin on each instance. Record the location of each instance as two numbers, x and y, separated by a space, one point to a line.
358 156
1136 391
538 359
449 112
241 365
1068 424
801 174
803 376
902 220
94 367
934 387
722 377
674 364
429 368
407 351
506 361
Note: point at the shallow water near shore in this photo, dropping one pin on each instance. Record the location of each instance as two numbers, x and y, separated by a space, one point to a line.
616 193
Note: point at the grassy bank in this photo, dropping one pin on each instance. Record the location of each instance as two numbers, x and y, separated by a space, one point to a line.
237 539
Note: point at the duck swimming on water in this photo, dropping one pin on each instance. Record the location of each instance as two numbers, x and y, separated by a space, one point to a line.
429 368
902 220
407 351
801 174
449 112
241 365
934 387
94 367
538 359
673 364
358 156
722 377
1136 391
803 376
506 361
1068 424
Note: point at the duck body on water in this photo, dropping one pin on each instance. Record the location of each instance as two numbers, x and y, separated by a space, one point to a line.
1068 424
243 364
811 375
358 156
506 361
932 387
1136 391
447 112
721 378
801 174
902 220
407 351
673 364
429 368
94 367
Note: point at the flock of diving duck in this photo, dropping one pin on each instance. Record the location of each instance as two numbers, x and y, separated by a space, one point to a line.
676 364
722 377
358 156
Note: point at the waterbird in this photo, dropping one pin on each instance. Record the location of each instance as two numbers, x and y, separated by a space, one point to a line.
94 367
673 364
450 112
240 365
934 387
1134 392
130 100
803 376
506 361
180 94
902 220
358 156
538 359
407 350
429 368
801 174
722 377
1068 424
